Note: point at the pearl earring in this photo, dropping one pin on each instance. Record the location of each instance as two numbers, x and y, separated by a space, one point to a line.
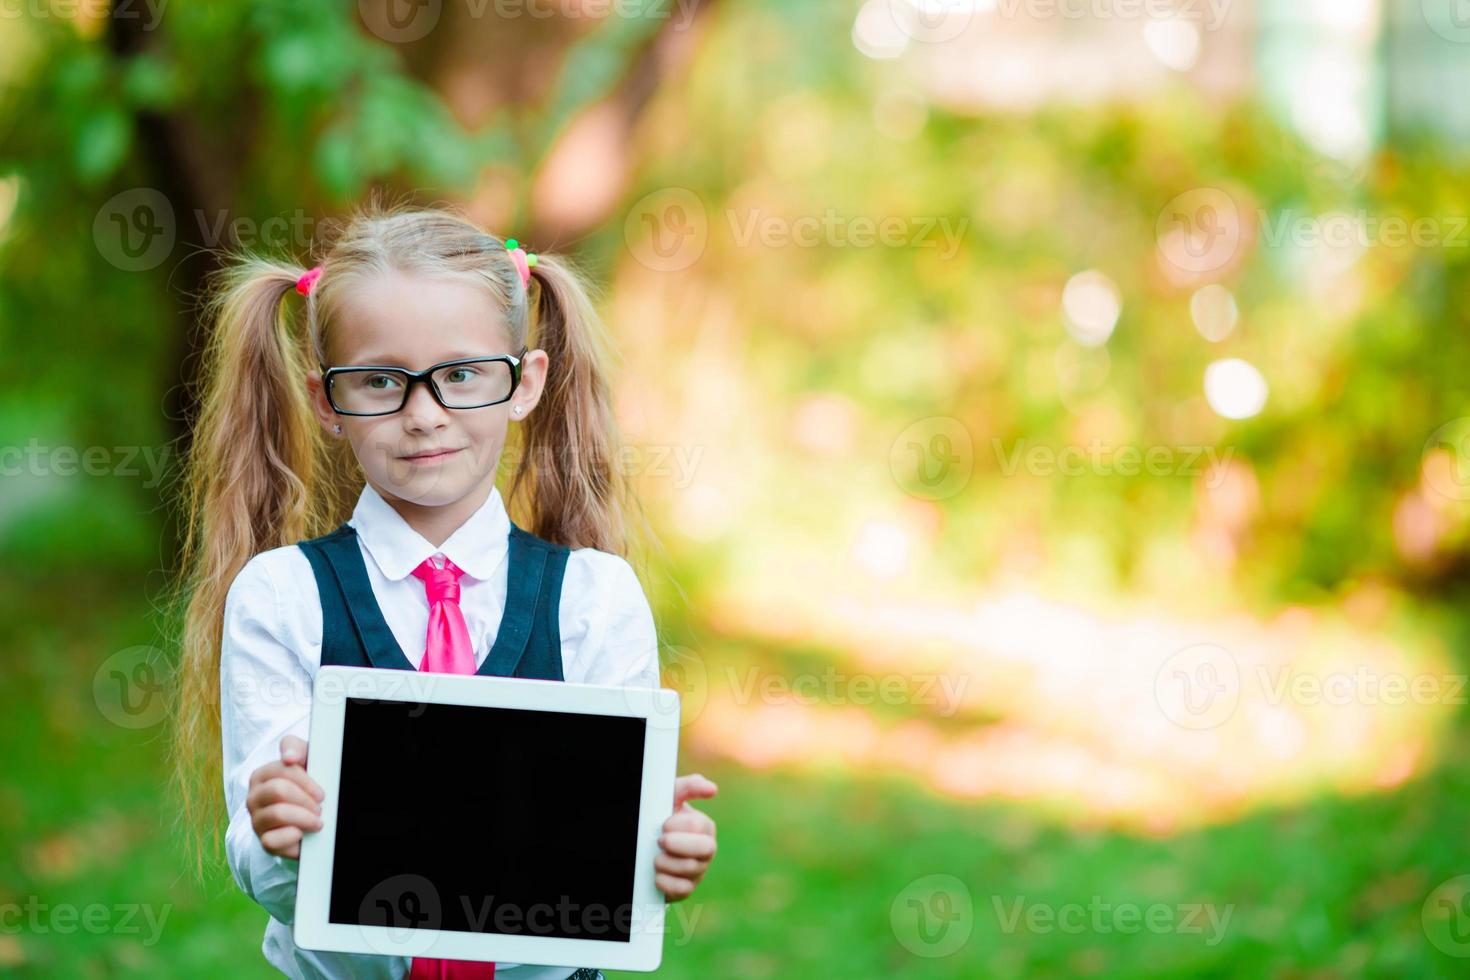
517 409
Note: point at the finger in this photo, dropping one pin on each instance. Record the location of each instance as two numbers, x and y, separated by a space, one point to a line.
282 841
680 867
282 790
693 787
674 887
682 844
284 815
691 820
296 774
302 778
266 772
293 750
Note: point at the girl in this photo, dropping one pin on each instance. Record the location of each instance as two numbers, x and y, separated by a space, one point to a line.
429 572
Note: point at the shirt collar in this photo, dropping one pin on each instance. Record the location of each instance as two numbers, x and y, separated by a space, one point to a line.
477 546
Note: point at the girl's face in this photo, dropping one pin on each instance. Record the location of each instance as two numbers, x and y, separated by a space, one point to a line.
425 454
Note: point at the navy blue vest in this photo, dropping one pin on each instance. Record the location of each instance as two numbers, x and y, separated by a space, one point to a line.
354 633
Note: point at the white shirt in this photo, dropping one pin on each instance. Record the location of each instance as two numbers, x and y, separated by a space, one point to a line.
272 646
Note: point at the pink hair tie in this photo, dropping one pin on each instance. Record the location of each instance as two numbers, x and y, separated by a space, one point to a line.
308 280
524 261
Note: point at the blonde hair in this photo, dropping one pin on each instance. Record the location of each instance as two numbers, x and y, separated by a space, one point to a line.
261 474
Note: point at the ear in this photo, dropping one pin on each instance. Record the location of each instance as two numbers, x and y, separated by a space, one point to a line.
533 382
317 392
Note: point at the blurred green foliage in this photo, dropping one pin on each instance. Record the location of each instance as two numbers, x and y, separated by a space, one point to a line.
1363 348
295 110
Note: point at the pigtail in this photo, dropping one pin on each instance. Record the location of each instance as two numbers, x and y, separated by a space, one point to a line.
249 485
568 470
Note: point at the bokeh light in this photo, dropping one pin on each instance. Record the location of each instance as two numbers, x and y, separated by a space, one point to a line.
1214 312
1235 388
1092 305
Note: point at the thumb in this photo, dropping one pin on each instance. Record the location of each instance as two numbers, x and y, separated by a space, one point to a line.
693 787
293 750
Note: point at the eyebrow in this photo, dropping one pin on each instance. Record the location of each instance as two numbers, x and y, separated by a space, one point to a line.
393 361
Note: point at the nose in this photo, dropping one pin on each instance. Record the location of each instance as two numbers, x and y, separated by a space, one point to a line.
422 411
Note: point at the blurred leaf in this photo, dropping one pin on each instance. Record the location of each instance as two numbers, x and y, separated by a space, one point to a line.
150 82
81 74
594 64
334 161
102 144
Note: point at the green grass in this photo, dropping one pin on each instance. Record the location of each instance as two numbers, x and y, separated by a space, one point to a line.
809 870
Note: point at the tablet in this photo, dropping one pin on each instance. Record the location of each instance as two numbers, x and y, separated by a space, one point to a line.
487 818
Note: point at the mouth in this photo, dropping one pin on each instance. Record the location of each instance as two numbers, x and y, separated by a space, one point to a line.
431 455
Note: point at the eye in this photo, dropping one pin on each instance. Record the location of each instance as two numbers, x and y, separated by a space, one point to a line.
387 380
460 375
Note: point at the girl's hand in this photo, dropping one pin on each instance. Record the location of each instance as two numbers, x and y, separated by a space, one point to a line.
688 842
284 802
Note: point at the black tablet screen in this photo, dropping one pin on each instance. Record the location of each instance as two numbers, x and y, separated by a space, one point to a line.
487 820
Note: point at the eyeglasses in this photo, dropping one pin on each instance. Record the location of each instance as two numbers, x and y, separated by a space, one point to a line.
469 382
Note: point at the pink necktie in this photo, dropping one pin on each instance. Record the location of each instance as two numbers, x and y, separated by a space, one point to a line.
447 650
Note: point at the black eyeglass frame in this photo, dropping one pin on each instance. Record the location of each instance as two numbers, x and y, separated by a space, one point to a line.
426 377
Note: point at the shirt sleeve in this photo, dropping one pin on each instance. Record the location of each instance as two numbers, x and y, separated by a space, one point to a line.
608 634
265 694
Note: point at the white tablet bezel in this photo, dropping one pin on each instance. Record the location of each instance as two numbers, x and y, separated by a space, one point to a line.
332 687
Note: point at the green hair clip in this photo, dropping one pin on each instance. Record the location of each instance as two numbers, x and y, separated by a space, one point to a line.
525 261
